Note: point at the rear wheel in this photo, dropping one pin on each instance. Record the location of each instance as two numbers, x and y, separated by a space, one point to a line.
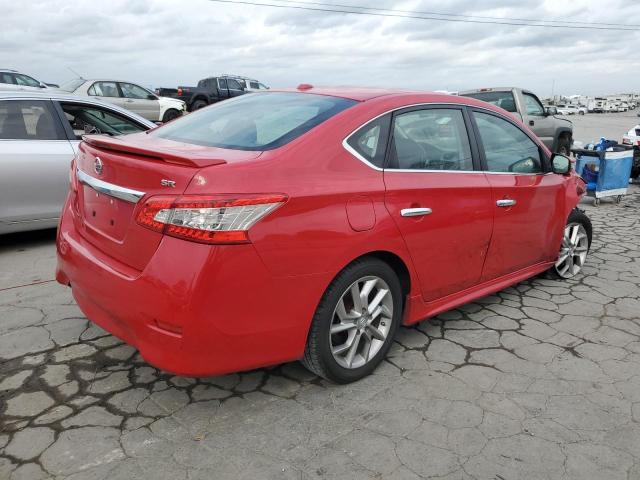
576 242
355 322
198 104
170 115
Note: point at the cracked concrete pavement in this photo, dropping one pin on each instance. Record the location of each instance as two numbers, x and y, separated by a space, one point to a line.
540 381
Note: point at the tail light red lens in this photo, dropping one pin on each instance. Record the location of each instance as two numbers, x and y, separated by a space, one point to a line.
179 92
221 219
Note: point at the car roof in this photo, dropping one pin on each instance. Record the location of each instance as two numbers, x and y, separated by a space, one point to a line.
359 94
68 97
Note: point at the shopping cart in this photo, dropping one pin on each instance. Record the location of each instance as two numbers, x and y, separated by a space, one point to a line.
606 172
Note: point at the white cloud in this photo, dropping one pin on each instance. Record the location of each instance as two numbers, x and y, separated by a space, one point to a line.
166 43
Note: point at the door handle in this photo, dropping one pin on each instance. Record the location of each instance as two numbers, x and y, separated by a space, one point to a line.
129 101
415 212
506 202
532 123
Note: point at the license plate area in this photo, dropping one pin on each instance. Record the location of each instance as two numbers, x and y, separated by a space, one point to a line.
105 214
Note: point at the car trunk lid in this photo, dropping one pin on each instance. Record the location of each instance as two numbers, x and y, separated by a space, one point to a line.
116 175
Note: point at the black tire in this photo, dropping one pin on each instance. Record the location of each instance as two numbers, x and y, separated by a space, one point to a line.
170 114
198 104
318 357
576 216
564 145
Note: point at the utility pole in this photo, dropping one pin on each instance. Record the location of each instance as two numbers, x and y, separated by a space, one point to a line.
553 87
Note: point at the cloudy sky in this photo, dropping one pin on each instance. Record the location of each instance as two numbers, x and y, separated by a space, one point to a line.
169 42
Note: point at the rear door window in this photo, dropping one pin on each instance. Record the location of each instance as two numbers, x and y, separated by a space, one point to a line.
104 89
29 120
430 139
503 100
260 121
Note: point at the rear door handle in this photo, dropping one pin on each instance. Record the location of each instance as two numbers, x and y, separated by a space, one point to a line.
532 123
415 212
506 202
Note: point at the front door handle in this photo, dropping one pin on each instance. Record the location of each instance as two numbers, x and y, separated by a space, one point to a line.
506 202
129 101
415 212
532 123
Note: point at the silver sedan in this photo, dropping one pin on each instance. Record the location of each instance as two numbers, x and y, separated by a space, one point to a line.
39 135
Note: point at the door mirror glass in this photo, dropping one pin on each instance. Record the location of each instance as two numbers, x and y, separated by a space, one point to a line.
151 97
551 111
560 164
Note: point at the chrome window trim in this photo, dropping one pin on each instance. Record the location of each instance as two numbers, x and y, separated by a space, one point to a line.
353 152
110 189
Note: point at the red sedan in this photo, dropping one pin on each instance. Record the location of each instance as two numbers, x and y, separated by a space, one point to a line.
310 224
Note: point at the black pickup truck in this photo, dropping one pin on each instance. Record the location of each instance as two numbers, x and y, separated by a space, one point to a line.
209 90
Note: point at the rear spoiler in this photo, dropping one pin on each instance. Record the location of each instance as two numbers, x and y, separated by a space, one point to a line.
116 145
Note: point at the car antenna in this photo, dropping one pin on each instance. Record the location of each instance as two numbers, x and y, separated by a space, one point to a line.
75 73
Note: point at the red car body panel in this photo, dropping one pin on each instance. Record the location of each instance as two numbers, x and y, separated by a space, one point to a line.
197 309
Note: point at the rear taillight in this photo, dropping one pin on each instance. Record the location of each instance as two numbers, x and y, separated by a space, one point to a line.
179 92
215 219
73 177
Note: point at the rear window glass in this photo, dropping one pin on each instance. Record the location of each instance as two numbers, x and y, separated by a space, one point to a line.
257 121
503 100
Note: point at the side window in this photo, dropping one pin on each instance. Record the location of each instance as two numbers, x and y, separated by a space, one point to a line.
29 120
90 119
129 90
7 78
222 83
431 139
104 89
533 105
503 100
234 84
506 147
370 141
254 85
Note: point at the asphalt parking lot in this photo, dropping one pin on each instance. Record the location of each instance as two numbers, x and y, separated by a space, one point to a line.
540 381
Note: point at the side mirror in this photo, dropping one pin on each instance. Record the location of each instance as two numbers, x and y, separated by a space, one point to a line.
551 111
42 85
151 96
560 164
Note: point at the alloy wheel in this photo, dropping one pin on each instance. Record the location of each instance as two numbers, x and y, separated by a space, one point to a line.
573 251
362 320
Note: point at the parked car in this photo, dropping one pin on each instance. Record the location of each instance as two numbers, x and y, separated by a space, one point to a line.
130 96
310 224
14 80
209 90
556 133
39 135
582 109
564 109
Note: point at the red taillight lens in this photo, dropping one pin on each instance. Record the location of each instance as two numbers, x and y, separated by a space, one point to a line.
179 92
73 177
218 219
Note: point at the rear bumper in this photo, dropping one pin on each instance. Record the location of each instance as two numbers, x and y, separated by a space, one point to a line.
194 310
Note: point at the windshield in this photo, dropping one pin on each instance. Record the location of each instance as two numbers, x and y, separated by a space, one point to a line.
71 85
256 121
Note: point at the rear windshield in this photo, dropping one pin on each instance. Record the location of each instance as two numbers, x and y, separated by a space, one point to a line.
71 85
503 100
256 121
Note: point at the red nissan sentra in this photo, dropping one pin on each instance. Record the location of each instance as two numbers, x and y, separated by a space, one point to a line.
310 224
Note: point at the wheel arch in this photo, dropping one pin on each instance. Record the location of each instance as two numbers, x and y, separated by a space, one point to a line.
397 264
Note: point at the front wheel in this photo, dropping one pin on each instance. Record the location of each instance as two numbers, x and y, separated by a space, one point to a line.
170 114
355 322
576 242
